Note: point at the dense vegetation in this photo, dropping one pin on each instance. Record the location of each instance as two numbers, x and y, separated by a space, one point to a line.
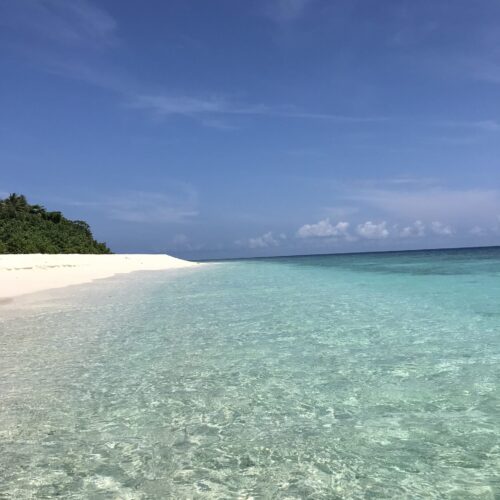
26 228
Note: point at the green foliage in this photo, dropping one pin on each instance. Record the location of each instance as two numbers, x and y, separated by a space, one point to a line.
26 228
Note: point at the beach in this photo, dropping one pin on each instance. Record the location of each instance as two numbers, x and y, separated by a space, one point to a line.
28 273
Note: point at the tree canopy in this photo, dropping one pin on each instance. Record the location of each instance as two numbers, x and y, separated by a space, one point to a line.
26 228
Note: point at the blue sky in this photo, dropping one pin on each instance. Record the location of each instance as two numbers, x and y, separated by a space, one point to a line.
235 128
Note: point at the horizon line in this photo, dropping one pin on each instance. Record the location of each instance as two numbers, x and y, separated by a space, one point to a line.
349 253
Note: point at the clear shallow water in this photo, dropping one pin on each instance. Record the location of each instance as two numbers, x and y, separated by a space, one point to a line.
361 376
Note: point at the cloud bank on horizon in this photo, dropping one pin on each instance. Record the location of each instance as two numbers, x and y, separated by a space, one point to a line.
260 128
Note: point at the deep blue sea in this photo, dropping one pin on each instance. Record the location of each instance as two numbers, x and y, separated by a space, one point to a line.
342 376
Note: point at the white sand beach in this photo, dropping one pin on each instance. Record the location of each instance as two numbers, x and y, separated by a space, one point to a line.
27 273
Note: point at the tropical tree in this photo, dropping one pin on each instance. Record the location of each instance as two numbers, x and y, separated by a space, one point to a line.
26 228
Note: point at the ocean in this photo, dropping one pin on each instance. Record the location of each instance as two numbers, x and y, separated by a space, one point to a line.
339 376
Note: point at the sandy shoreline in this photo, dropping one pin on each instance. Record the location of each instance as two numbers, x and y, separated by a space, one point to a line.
28 273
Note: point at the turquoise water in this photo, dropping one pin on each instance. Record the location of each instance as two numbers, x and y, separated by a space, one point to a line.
355 376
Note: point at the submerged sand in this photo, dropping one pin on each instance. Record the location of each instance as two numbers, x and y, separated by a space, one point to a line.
27 273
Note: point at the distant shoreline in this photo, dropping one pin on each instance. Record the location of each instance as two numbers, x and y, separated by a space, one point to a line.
22 274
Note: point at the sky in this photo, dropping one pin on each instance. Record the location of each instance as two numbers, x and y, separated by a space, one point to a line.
236 128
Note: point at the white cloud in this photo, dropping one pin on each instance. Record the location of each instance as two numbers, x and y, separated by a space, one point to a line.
284 11
483 125
323 229
180 239
456 206
441 229
340 211
213 105
265 240
74 23
417 229
477 231
178 204
182 105
373 231
207 109
181 242
61 36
